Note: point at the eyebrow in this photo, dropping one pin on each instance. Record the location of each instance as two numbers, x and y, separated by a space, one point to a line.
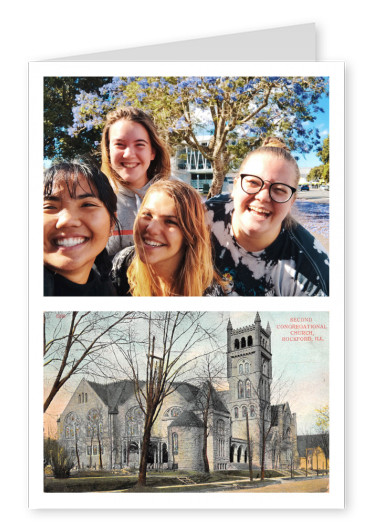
147 211
80 196
134 141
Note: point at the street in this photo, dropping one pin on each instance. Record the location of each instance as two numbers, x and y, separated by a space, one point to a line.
299 485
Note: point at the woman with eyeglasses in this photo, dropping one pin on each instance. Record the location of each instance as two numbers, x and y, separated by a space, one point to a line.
259 248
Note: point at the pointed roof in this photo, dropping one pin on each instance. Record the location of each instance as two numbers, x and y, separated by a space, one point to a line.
229 325
257 318
114 393
187 419
268 330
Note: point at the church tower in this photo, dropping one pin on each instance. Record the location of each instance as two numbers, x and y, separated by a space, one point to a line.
249 373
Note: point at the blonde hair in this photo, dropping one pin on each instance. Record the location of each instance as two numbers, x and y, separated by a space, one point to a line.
275 147
160 167
196 272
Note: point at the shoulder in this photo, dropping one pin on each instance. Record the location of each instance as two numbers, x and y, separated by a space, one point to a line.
220 208
312 253
123 258
120 265
48 282
218 200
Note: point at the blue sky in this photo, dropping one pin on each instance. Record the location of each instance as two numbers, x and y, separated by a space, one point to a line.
322 123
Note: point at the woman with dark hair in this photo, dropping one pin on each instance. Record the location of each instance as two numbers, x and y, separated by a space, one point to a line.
134 157
79 212
172 254
259 248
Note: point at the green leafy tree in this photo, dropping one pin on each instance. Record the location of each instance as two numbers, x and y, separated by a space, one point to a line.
321 172
236 112
322 428
59 98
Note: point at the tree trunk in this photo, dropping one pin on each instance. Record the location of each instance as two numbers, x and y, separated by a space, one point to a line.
250 455
144 457
77 455
220 168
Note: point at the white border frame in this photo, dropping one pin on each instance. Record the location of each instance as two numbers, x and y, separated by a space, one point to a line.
333 304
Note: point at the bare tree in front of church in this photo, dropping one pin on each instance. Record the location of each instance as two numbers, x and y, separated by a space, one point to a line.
170 356
209 374
74 343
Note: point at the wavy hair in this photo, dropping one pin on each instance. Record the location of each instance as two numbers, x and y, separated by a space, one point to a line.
196 272
160 167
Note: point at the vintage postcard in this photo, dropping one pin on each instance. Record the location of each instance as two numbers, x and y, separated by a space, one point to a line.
165 186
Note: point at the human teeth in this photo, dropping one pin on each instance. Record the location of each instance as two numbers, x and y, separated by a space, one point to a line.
260 210
69 242
153 244
129 165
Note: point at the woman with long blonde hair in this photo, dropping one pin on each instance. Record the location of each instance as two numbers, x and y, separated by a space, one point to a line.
172 254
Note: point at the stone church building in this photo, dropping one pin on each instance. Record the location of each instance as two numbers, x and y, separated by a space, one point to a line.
102 424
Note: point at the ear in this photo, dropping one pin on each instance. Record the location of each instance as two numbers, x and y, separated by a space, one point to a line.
233 187
153 154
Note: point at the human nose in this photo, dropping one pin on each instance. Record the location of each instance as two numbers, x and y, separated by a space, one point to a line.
264 192
67 217
153 226
128 152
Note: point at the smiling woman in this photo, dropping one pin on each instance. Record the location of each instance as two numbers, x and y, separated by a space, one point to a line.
259 248
79 211
134 157
172 253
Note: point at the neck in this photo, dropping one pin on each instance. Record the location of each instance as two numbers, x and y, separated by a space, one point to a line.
254 243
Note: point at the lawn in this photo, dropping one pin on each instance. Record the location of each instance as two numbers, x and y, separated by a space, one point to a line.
95 481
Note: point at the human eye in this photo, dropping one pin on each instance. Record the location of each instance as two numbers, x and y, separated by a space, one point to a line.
48 206
281 189
252 182
170 221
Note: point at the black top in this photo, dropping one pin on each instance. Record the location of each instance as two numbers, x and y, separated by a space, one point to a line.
122 261
295 264
59 286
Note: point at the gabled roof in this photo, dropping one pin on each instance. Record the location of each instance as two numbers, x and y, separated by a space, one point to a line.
187 391
187 419
113 394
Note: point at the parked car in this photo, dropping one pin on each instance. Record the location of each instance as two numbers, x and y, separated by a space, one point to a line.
304 187
324 187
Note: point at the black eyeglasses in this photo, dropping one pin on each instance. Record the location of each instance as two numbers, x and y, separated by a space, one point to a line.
279 192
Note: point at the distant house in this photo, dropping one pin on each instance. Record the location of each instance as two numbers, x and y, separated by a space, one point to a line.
312 449
103 423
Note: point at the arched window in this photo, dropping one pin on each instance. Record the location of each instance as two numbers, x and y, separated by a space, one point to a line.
252 409
220 427
241 368
173 412
250 341
240 389
72 425
244 411
248 389
236 413
236 344
265 367
134 422
243 342
246 366
175 443
79 398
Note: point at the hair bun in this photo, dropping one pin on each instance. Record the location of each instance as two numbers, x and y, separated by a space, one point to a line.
273 141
